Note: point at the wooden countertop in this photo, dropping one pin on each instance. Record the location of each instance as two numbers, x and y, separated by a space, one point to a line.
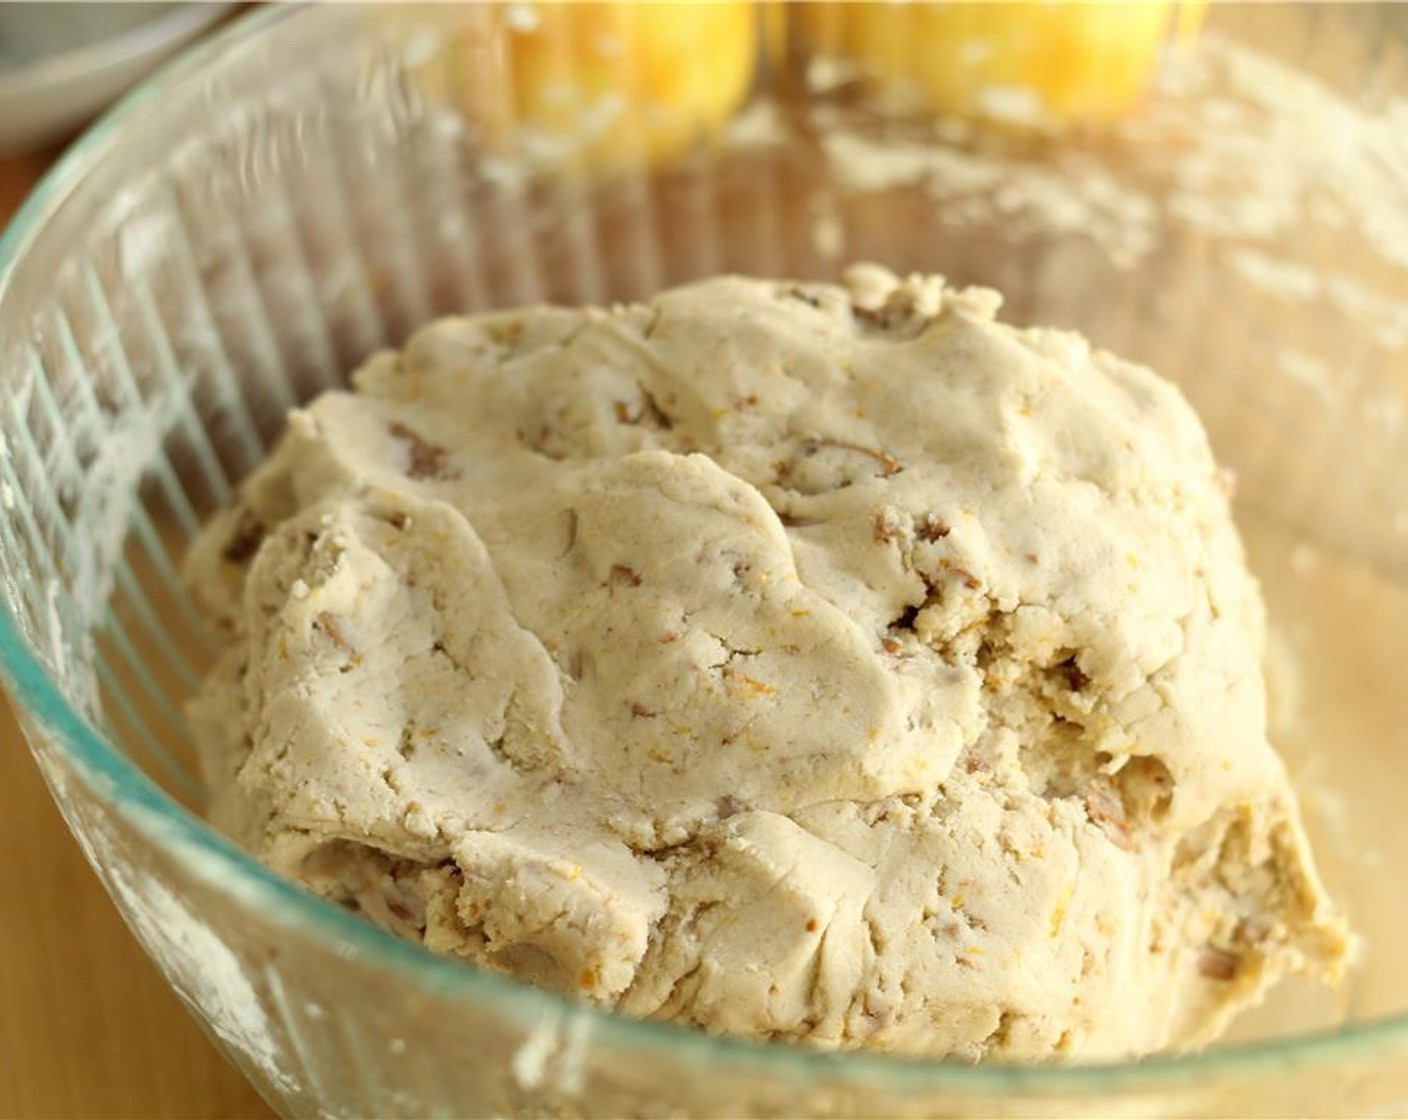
88 1028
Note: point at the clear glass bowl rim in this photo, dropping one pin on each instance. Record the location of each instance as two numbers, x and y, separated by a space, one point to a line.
164 822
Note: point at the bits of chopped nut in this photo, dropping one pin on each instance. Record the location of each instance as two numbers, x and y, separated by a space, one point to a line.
426 460
621 574
244 542
1218 964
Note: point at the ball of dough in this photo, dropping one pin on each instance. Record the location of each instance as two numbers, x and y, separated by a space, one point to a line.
795 661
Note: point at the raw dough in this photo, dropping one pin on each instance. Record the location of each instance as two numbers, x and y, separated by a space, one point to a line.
796 661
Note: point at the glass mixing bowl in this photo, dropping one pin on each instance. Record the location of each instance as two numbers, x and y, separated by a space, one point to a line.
316 182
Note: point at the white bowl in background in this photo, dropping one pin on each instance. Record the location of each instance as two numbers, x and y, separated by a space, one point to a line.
60 64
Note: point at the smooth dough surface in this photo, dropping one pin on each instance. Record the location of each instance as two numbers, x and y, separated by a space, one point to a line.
797 661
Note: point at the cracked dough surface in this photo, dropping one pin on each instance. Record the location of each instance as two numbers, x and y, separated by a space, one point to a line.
796 661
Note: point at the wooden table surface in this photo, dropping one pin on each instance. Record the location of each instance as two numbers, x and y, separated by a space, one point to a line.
88 1028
